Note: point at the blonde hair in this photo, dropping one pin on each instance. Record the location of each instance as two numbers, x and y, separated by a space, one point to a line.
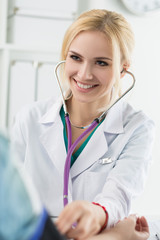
117 30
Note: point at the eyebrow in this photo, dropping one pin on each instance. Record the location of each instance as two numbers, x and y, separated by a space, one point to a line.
106 58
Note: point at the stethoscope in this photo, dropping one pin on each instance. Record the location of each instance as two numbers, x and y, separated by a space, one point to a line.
88 128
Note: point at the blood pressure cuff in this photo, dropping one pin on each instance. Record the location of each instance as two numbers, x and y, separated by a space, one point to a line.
22 216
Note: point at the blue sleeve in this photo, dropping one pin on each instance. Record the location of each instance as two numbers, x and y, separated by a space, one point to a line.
22 216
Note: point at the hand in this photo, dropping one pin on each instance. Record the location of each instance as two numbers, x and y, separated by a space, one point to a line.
89 219
132 228
142 228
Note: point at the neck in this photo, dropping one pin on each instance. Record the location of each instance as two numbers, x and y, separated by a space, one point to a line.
82 114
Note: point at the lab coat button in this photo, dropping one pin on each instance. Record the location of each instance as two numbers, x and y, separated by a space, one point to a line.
105 160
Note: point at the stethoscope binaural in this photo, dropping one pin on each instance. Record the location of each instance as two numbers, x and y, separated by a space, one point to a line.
88 128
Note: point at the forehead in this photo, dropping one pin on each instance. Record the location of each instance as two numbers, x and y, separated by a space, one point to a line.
91 43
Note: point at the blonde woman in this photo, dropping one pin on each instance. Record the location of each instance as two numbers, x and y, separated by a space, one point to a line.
110 165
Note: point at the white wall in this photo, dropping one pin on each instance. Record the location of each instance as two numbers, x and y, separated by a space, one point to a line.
31 34
146 67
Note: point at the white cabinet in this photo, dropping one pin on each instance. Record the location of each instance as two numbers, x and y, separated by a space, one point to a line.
31 34
39 22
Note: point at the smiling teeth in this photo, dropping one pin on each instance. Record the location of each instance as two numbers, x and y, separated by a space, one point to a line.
84 86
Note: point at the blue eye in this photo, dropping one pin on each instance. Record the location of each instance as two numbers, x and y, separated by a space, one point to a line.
102 63
74 57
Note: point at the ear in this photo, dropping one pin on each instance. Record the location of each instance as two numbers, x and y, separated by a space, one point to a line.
125 67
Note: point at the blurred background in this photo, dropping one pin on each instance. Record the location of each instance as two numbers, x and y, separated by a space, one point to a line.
31 33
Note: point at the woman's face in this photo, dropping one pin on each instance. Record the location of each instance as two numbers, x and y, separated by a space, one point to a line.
89 67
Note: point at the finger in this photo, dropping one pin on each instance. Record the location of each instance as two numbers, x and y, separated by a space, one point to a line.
144 224
132 219
65 226
134 216
138 226
71 234
141 235
143 232
66 220
80 231
85 228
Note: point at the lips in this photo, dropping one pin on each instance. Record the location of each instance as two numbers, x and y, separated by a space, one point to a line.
85 86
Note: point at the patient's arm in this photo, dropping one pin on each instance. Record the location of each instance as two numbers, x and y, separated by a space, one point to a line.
131 228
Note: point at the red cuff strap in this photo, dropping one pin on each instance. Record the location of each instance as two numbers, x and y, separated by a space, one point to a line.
106 221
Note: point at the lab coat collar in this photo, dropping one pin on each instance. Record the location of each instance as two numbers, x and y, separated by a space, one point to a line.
112 124
51 115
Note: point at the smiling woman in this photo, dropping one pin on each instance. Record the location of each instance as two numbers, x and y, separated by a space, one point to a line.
113 46
97 53
89 71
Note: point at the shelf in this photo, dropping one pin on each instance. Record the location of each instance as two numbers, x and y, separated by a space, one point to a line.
20 48
43 14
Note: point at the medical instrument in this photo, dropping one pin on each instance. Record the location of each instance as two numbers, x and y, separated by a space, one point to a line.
88 128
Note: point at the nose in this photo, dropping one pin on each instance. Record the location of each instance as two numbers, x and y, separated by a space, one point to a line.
85 72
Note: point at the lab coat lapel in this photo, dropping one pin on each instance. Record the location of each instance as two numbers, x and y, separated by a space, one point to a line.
52 137
95 148
53 143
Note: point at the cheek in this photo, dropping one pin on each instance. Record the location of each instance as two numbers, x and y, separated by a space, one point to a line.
107 79
69 69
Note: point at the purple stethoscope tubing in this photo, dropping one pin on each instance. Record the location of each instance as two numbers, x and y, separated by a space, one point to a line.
89 128
71 148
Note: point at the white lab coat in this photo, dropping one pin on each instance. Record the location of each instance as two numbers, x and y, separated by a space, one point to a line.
125 138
